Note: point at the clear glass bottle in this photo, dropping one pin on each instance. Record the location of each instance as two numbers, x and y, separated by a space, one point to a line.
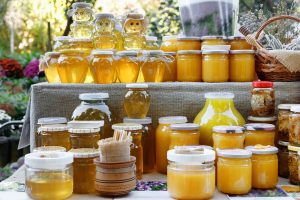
184 135
294 126
189 66
128 66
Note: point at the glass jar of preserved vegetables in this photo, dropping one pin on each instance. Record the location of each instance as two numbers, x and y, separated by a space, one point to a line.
283 121
293 164
283 156
294 126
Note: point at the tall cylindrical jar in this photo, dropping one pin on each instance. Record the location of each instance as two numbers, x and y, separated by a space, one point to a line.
293 164
283 156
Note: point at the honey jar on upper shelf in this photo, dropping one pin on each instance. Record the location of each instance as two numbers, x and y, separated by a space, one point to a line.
263 134
188 43
184 135
61 43
49 64
228 137
170 74
239 43
169 44
213 40
189 66
128 66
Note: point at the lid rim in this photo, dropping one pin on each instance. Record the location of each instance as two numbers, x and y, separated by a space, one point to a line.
172 120
144 121
267 150
184 127
234 153
194 52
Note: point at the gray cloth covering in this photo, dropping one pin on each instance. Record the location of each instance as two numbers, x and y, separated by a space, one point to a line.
187 99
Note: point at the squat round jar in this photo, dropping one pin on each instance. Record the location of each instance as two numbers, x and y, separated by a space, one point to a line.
154 65
263 134
294 126
239 43
213 40
128 66
189 64
228 137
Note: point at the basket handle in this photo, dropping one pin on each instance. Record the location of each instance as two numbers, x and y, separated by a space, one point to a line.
273 19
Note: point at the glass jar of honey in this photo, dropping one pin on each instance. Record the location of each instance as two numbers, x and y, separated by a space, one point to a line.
128 66
61 43
162 140
191 173
72 66
189 66
242 66
262 99
135 131
184 135
49 148
84 170
102 67
294 126
235 171
48 175
148 142
228 137
137 101
169 44
283 121
264 166
213 40
82 44
263 134
151 43
170 74
293 161
93 107
239 43
49 64
188 43
283 156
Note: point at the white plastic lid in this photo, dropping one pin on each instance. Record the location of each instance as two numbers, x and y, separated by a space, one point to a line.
259 127
52 120
182 52
282 143
262 119
260 149
48 160
147 120
53 128
127 53
286 106
62 38
185 127
104 15
127 126
137 86
50 148
93 96
205 52
295 109
151 38
188 38
213 37
191 155
199 146
170 37
293 148
234 153
219 95
172 120
85 152
242 52
215 47
228 129
85 124
102 52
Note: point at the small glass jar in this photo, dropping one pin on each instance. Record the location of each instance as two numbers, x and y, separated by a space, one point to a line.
191 173
49 148
239 43
154 65
189 65
170 74
228 137
135 131
102 67
263 134
283 121
242 66
264 166
93 107
215 66
235 171
293 164
84 170
184 135
263 99
151 43
262 120
50 65
213 40
169 44
128 66
137 101
84 134
188 43
294 126
48 175
148 142
61 43
72 66
162 140
283 157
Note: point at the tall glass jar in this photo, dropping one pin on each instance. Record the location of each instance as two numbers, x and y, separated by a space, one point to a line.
239 43
283 121
93 107
188 43
186 134
169 44
50 65
218 110
61 43
293 164
294 126
171 68
128 66
137 101
283 156
48 175
189 66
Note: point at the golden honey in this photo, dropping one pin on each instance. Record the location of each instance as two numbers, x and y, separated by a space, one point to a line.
189 66
151 43
128 66
50 63
154 66
213 40
239 43
170 74
228 137
169 44
184 135
188 43
263 134
61 43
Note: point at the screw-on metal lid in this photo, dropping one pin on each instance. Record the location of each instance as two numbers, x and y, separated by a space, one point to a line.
286 106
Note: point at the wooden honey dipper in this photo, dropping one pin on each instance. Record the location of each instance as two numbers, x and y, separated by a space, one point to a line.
250 38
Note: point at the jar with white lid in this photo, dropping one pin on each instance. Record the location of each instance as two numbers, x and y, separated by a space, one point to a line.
191 172
294 126
128 66
169 43
262 120
151 43
213 40
184 135
228 137
259 133
48 175
188 43
189 66
284 111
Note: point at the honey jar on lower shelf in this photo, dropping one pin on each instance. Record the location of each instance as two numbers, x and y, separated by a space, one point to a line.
191 173
184 135
264 166
84 170
293 164
128 66
228 137
263 134
234 169
55 135
189 66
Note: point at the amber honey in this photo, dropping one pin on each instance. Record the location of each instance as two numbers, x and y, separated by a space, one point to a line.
55 136
184 135
189 66
188 43
84 138
239 43
213 40
154 66
171 68
50 67
128 66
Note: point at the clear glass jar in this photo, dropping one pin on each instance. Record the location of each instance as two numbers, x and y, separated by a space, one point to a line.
171 68
46 171
191 173
242 66
128 66
213 40
293 164
93 107
215 66
218 110
84 170
235 171
169 44
148 142
188 43
262 99
151 43
49 148
294 126
189 63
228 137
137 101
283 122
184 135
50 65
102 67
283 157
61 43
263 134
264 166
239 43
162 140
135 131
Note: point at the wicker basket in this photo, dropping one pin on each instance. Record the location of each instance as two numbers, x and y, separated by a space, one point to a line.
269 68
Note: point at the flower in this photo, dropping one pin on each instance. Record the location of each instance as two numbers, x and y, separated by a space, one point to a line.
32 69
10 68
